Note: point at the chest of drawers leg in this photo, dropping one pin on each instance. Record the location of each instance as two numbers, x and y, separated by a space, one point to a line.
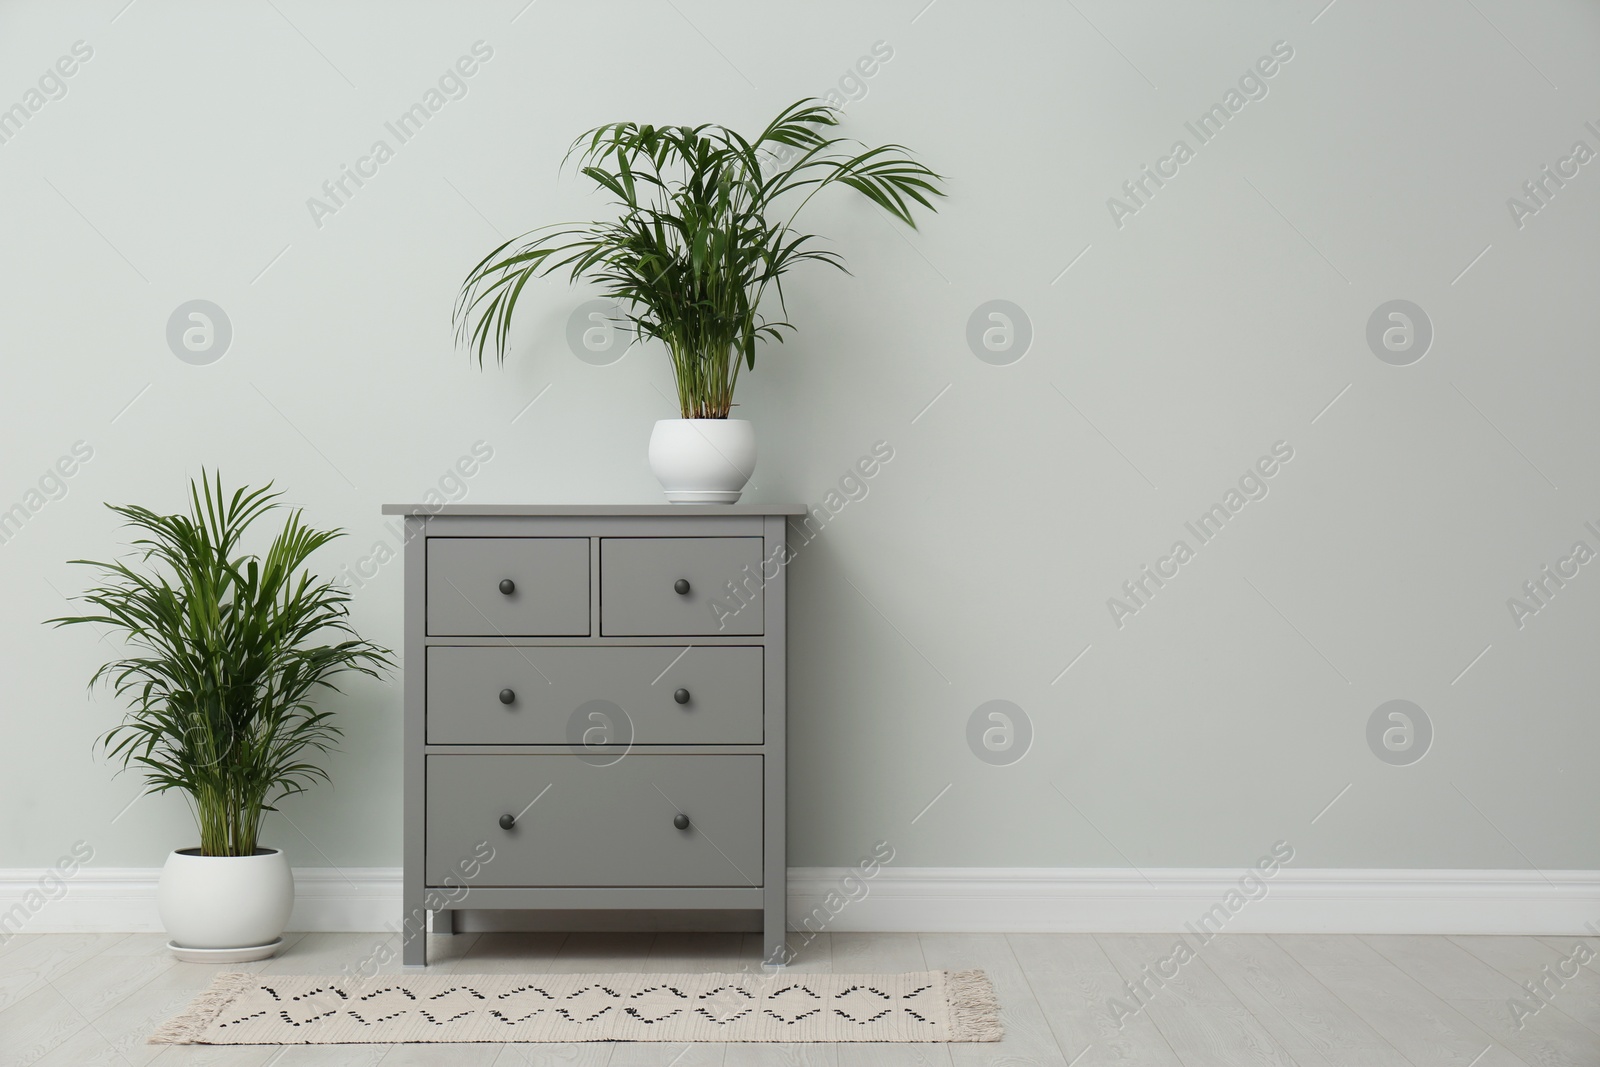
595 709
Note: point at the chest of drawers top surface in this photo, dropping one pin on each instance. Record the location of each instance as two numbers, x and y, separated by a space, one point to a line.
595 510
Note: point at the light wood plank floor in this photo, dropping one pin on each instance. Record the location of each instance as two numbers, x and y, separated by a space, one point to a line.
1068 1000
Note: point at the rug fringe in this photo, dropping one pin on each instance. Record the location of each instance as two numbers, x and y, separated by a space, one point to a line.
186 1028
974 1008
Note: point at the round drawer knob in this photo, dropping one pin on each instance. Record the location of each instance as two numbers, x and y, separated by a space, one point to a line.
507 696
507 821
681 586
681 821
681 696
507 586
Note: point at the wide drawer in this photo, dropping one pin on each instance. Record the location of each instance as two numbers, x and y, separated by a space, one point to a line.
508 586
578 824
656 586
585 696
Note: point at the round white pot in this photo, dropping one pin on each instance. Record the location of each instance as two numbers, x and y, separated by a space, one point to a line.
703 461
225 902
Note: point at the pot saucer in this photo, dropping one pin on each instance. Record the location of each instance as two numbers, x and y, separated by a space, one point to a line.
225 955
690 496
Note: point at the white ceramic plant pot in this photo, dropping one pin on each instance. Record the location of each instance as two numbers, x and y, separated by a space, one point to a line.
225 902
703 461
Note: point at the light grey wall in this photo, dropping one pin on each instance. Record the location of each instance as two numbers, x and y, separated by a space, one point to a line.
1228 313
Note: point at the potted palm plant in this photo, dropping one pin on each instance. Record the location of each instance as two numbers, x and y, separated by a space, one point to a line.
704 227
228 650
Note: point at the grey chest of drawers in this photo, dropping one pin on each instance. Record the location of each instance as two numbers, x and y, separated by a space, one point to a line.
594 710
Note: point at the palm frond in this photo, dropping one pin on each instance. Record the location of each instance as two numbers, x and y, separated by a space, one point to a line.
224 657
705 223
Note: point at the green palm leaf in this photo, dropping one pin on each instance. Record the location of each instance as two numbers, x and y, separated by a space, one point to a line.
705 224
224 658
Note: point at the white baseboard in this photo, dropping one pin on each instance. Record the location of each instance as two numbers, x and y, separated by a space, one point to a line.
1117 900
948 900
123 899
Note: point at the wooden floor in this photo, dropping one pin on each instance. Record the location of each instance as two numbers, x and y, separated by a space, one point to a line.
72 1000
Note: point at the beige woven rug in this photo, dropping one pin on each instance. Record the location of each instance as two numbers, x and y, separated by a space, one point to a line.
251 1009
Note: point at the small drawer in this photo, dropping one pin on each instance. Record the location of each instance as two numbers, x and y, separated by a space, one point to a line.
577 824
560 696
656 586
508 586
